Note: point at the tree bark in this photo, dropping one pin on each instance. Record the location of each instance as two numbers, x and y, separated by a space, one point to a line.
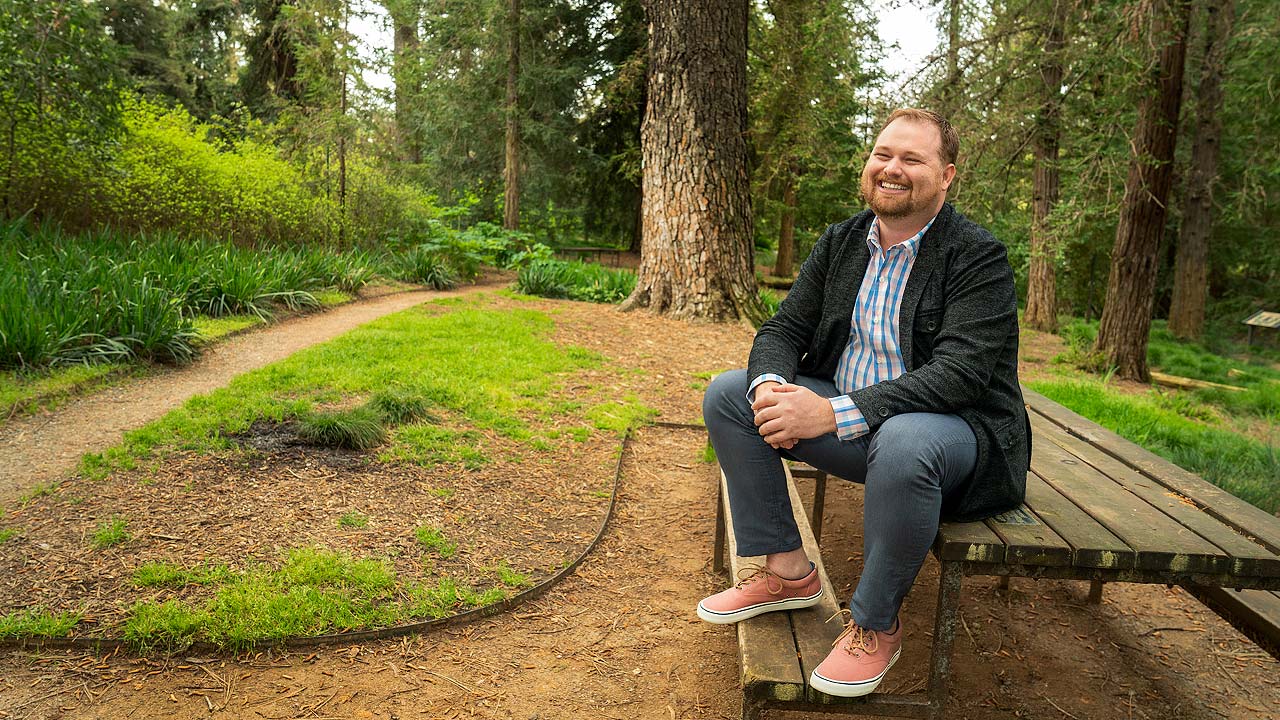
404 15
511 175
696 252
1126 314
1191 271
1042 282
784 264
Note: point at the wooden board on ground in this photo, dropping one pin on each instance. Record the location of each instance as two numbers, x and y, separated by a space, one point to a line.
766 643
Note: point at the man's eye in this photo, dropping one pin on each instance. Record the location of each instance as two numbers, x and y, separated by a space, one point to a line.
882 156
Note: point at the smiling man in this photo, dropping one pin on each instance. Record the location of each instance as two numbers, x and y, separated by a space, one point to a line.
892 363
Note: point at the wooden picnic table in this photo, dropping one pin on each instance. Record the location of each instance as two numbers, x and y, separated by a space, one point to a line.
1098 508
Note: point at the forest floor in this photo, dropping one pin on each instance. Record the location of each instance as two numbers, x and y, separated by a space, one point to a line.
618 638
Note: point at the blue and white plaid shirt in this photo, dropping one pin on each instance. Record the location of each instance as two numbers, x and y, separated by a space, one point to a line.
873 354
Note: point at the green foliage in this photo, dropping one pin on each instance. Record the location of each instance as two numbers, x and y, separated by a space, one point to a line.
576 281
106 296
111 532
1243 467
7 533
401 406
167 627
434 541
358 428
37 622
770 300
423 265
352 519
167 575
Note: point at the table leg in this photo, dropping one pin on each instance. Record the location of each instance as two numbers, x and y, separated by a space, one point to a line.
944 633
819 503
717 553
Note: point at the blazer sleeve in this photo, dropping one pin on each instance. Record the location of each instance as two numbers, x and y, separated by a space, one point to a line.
980 313
784 338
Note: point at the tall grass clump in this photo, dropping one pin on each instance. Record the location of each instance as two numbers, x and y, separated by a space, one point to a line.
108 296
359 428
575 281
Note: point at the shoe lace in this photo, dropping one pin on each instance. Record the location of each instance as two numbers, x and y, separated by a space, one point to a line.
861 640
755 573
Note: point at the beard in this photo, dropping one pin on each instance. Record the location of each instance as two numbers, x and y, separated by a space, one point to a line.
889 207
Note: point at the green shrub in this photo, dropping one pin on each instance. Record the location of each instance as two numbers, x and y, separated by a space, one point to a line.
399 406
576 281
427 266
355 429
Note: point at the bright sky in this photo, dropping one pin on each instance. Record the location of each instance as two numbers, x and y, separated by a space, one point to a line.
908 24
913 29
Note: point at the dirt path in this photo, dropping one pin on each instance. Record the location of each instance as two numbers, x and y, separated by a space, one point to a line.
46 447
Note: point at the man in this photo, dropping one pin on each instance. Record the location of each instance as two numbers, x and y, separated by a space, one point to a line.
893 363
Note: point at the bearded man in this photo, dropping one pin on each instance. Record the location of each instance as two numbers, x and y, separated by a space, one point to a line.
892 363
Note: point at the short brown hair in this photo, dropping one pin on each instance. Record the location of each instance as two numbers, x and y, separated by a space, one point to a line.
950 149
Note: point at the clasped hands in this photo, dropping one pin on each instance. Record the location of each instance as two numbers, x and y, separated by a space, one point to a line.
787 414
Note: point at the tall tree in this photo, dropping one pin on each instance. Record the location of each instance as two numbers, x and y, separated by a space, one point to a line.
696 253
1042 287
511 168
1191 270
405 18
1127 311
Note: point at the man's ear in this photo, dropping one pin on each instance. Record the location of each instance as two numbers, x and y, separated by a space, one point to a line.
948 175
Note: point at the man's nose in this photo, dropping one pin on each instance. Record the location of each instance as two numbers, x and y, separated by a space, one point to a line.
893 167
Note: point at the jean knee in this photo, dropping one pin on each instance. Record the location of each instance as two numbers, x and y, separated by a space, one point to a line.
725 396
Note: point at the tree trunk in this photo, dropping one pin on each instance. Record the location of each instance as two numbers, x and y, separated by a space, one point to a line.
511 176
404 14
1126 314
696 253
1186 314
1042 281
951 91
784 265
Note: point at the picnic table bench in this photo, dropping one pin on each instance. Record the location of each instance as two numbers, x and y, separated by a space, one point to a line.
597 253
1098 508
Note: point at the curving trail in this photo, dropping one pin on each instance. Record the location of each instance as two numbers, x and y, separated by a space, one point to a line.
46 447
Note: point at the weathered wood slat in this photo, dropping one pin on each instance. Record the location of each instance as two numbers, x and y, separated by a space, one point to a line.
1160 542
1248 557
815 628
1256 613
770 666
1093 545
972 541
1029 540
1233 511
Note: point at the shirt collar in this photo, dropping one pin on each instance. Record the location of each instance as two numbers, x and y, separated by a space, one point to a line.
911 246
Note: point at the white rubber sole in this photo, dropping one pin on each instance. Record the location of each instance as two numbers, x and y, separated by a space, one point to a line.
728 618
850 689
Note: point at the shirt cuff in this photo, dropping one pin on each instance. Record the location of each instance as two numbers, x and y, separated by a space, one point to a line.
751 391
850 423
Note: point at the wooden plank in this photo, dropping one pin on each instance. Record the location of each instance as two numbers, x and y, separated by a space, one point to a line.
1183 383
1231 510
816 628
971 541
1161 543
1093 546
1248 558
766 645
1256 613
1028 540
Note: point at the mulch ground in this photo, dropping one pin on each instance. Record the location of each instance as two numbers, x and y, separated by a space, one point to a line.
619 639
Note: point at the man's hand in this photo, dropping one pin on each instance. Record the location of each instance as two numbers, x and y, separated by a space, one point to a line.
786 414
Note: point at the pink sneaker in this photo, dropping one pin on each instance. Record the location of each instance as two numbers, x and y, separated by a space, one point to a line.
760 591
858 662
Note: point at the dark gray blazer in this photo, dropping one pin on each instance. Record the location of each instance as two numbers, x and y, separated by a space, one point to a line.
959 337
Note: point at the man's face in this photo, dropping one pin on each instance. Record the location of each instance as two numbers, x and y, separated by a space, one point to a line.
905 175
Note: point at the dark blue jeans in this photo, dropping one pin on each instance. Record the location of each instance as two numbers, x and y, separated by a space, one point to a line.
907 466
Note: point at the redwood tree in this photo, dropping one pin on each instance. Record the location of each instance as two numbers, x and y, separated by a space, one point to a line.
1191 269
1042 285
1126 314
696 251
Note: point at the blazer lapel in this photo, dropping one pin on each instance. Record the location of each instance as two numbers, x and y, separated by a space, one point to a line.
926 261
